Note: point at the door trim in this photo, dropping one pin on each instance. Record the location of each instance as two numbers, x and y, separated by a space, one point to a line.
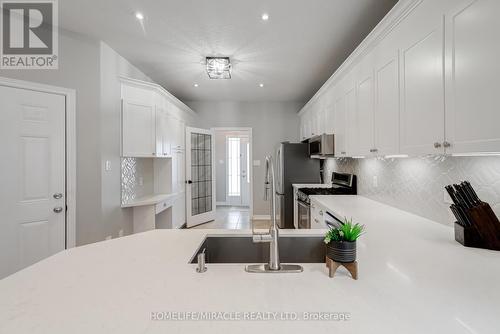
70 98
250 157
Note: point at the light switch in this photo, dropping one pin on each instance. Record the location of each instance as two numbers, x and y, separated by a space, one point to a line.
256 163
107 166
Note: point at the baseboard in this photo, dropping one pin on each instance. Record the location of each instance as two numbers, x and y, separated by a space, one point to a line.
261 217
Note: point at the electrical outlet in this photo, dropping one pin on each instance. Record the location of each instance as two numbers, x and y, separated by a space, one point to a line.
107 166
375 181
256 163
120 233
446 197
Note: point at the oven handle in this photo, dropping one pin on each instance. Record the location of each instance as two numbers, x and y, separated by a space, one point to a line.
332 224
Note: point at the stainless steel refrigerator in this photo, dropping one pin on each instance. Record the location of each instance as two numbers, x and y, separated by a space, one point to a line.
293 165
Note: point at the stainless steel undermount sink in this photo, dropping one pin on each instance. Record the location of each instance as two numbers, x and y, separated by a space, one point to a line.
241 249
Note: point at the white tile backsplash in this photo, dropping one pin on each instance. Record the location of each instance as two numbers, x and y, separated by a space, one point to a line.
417 184
137 178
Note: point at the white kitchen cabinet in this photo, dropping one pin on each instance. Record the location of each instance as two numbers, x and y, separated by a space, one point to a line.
351 119
340 127
424 82
472 73
317 218
422 70
138 129
163 133
387 98
364 108
179 211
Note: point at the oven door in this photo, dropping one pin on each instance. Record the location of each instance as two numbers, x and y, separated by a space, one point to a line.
304 215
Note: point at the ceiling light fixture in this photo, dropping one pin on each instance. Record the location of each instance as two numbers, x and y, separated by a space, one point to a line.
265 17
139 16
196 85
219 67
261 85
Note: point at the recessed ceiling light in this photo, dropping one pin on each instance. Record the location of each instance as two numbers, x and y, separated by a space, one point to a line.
265 17
139 16
261 85
196 85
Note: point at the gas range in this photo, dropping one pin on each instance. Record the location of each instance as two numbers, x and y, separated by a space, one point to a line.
304 193
342 184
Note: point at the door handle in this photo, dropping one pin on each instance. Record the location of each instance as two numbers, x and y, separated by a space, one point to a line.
189 182
58 195
58 209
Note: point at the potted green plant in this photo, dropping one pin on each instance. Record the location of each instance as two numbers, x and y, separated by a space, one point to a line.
341 239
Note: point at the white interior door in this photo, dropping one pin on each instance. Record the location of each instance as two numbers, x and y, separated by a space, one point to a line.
237 171
200 176
33 191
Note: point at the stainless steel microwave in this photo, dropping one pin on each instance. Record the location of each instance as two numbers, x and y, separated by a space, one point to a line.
322 145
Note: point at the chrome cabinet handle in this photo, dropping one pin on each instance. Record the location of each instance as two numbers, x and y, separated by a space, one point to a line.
446 144
58 209
58 196
437 145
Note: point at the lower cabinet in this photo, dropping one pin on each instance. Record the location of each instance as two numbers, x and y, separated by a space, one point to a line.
317 215
179 211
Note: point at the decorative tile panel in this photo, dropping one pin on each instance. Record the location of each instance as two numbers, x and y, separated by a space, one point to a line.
417 185
132 170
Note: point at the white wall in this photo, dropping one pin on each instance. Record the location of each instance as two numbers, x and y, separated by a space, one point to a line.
91 68
79 70
271 123
112 66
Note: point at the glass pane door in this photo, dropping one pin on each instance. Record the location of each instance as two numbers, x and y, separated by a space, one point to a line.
201 173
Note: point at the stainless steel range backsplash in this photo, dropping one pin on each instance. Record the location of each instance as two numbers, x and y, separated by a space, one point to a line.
417 184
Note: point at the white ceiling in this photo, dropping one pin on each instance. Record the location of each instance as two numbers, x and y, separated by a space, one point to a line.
292 54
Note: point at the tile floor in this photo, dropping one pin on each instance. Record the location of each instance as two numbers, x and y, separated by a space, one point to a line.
232 218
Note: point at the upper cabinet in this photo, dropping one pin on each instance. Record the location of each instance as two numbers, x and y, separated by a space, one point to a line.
422 92
152 125
138 123
472 76
424 82
387 98
364 109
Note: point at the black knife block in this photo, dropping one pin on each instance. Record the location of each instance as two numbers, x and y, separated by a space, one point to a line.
485 229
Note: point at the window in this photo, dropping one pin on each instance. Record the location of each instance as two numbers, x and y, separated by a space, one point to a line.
233 166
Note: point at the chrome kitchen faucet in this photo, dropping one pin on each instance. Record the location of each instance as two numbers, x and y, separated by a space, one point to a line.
271 237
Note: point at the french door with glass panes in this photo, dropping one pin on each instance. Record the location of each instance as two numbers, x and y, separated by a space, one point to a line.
200 176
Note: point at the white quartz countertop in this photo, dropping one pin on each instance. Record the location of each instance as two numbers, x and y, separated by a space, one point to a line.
414 278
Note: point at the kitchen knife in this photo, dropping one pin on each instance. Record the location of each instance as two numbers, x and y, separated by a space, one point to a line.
465 217
461 198
457 215
472 192
466 195
451 192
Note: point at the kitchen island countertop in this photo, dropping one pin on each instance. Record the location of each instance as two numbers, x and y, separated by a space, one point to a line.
413 278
